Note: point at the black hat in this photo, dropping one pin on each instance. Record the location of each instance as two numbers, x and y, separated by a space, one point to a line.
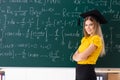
96 14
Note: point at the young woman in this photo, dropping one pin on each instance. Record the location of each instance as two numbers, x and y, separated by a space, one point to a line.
91 47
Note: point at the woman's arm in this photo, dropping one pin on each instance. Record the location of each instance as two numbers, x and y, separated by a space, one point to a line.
75 56
84 55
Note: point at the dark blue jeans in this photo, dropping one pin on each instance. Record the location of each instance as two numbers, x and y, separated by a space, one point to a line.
85 72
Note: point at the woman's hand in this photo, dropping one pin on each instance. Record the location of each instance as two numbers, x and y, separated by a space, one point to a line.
85 54
77 56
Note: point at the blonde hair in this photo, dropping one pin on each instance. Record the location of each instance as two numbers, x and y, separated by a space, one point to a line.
97 31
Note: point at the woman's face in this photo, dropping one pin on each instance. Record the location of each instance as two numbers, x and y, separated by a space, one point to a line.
89 27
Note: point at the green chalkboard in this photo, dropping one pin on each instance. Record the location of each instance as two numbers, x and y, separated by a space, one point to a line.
45 33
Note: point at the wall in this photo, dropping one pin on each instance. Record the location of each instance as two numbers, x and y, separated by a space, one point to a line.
39 73
29 73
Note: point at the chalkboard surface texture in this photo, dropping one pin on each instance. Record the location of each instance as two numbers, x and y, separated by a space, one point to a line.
45 33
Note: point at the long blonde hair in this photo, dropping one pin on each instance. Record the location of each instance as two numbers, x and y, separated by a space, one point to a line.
97 31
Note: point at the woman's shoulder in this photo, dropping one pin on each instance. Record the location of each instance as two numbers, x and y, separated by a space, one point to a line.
96 37
83 38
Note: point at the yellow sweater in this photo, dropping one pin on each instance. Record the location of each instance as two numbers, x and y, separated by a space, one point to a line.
85 42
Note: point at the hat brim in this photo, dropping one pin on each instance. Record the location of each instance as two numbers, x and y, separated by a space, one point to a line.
96 14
